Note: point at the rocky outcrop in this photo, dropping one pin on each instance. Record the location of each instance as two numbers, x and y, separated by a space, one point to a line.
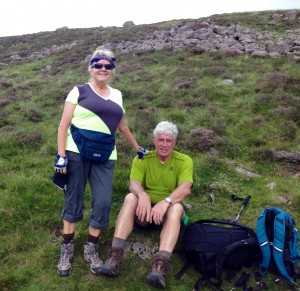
45 52
284 156
204 36
208 36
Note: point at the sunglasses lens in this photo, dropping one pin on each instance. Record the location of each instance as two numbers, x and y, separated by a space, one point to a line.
100 66
108 66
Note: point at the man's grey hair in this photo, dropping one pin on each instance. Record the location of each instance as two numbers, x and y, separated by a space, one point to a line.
166 127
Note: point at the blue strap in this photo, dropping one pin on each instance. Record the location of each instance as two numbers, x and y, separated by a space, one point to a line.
263 242
293 243
278 247
294 247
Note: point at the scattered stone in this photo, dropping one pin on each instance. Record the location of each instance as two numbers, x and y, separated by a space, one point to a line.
128 24
142 250
228 82
213 198
246 172
271 185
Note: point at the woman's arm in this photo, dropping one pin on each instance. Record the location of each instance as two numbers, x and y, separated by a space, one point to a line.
63 127
125 131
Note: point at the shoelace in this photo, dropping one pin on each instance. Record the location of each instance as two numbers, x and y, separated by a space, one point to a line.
94 256
66 251
160 264
115 256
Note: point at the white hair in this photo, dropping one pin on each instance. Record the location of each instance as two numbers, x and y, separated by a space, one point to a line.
166 127
103 51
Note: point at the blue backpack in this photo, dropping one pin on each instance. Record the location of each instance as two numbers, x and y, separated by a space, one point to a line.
278 240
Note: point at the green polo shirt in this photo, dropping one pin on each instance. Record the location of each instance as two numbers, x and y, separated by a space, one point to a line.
160 180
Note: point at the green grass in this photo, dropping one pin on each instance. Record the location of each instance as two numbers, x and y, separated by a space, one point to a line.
259 113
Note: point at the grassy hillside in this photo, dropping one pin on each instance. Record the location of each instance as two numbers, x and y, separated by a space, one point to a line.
228 130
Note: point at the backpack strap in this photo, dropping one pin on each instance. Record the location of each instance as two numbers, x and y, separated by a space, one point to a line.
182 271
221 257
263 242
207 284
280 221
293 240
293 244
230 223
200 282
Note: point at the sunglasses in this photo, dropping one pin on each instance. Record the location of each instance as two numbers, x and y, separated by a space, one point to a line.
100 66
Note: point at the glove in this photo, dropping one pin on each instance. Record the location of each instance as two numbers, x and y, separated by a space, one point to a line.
141 152
60 180
61 163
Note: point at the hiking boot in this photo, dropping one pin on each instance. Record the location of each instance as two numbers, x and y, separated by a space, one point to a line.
112 264
64 266
91 255
157 276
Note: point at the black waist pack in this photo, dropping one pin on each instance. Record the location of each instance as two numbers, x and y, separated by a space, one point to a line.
214 245
93 145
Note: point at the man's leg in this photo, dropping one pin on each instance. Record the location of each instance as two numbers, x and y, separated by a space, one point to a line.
125 220
168 239
123 228
171 228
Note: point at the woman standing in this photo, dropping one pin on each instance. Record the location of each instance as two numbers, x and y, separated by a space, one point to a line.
93 110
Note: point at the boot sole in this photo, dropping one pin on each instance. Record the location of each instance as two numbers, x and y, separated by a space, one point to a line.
108 271
155 280
93 271
64 273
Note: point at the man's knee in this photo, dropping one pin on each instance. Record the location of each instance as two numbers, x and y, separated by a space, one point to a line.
128 209
130 199
176 211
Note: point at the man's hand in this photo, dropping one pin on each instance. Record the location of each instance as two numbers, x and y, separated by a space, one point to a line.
141 152
158 212
61 163
143 209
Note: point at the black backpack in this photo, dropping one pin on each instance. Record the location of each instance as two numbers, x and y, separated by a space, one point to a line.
214 245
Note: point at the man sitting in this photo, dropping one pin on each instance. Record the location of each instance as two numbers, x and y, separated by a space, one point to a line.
158 185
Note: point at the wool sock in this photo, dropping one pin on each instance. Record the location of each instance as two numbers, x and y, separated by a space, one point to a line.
68 237
118 243
93 239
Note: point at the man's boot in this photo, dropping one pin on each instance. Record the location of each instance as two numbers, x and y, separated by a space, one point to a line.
157 276
112 264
